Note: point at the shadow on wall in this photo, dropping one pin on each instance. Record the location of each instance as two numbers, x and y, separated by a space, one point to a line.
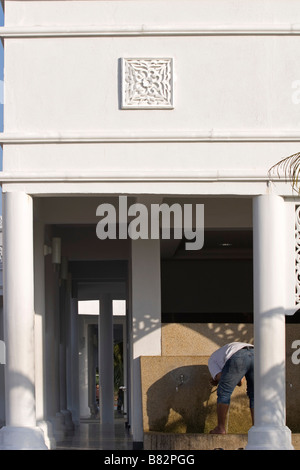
178 401
178 397
202 339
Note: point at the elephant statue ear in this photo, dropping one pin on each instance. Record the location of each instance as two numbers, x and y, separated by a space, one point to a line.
289 168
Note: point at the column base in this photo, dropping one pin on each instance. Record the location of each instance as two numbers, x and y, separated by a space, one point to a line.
58 426
47 429
269 438
22 438
69 425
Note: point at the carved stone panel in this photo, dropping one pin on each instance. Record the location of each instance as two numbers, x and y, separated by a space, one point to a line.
147 84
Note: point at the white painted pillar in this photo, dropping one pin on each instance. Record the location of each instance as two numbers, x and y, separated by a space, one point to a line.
39 305
83 369
125 367
50 327
269 431
62 349
65 326
20 431
52 349
74 369
106 361
146 319
40 360
92 353
2 367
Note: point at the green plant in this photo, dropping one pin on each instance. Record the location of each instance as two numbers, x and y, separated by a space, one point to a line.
290 167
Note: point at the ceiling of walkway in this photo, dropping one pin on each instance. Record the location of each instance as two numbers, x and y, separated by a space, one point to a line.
227 235
81 242
227 223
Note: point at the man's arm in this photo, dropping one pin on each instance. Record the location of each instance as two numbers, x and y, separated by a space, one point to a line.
216 380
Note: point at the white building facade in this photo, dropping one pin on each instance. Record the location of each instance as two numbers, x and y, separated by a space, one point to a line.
162 101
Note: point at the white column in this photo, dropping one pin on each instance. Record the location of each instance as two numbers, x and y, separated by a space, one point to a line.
92 353
146 319
269 431
65 326
20 431
125 367
52 349
74 369
40 360
106 363
83 369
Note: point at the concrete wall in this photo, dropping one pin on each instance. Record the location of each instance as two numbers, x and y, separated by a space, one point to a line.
177 396
235 110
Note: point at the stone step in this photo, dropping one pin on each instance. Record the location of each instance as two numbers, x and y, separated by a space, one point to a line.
171 441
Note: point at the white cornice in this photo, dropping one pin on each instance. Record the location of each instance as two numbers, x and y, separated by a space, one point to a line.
213 135
230 175
273 29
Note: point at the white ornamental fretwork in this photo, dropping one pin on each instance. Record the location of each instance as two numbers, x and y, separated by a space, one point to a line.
147 84
297 255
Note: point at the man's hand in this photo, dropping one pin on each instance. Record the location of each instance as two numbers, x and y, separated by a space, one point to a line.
216 380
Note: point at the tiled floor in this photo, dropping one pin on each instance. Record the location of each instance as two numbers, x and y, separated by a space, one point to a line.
91 435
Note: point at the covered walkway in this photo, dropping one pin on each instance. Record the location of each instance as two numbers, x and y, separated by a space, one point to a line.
91 435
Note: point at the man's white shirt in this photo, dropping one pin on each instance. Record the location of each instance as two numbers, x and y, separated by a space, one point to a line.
219 358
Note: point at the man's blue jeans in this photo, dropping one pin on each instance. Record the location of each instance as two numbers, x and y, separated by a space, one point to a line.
240 365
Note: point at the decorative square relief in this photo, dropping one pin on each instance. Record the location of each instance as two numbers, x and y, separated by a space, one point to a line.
147 84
